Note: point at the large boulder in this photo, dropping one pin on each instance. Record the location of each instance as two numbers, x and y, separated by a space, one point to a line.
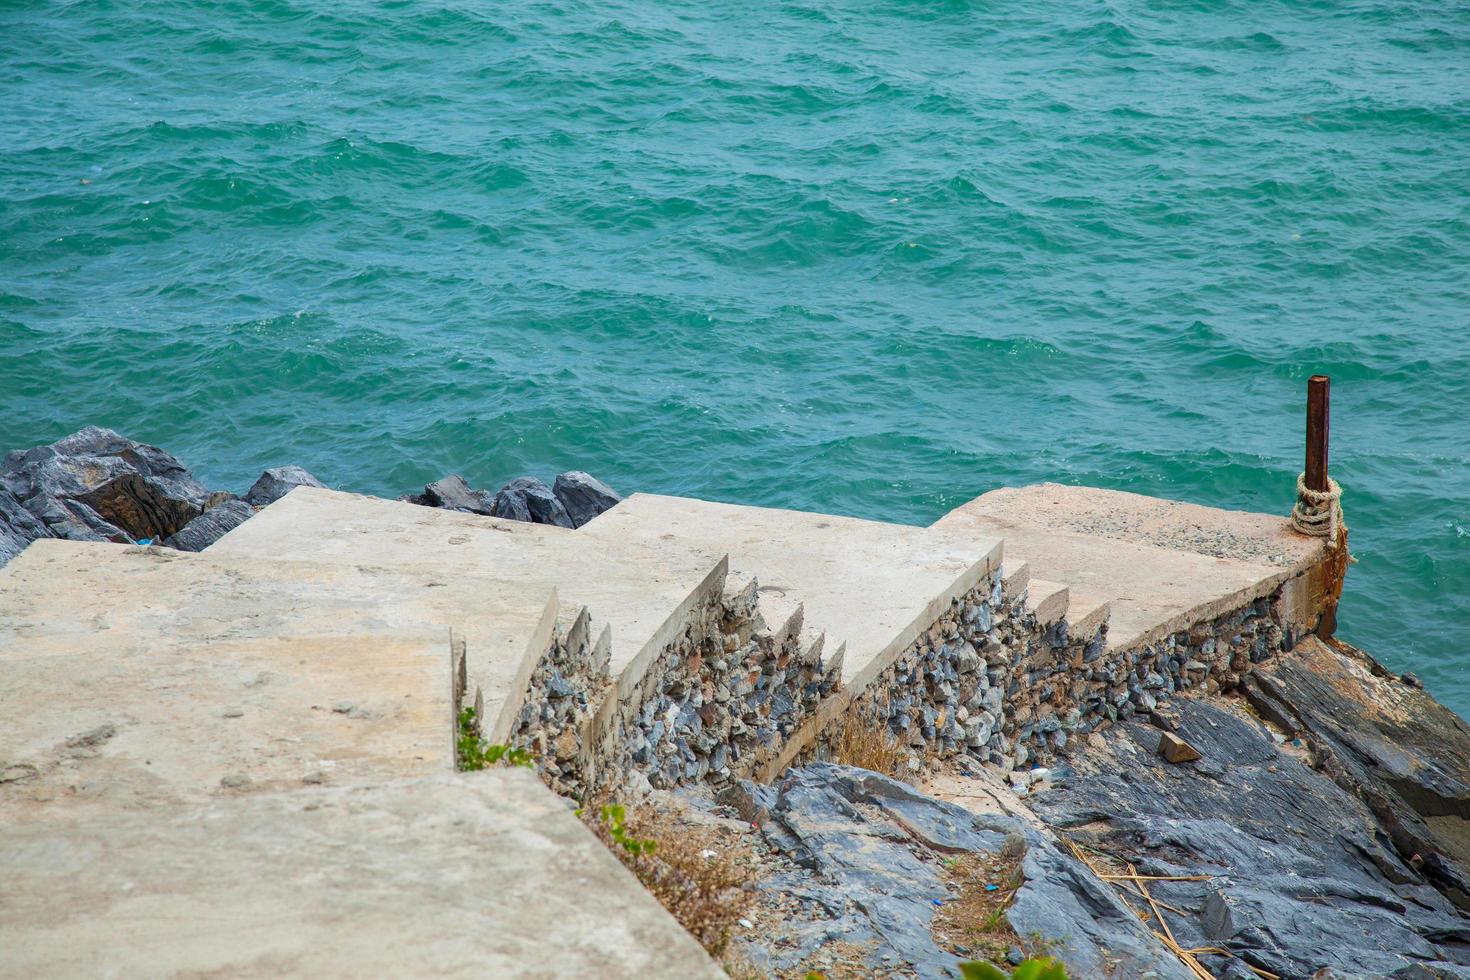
453 493
99 485
529 499
583 495
211 525
278 481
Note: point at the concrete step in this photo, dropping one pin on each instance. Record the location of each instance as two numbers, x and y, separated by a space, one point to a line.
1015 579
470 874
869 586
674 618
877 591
131 677
1047 601
1165 566
646 590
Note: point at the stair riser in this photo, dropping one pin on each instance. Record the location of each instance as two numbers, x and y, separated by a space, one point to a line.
719 703
564 694
1067 686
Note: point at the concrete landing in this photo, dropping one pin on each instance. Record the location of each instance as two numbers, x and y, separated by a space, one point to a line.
477 874
132 677
643 589
869 586
1163 565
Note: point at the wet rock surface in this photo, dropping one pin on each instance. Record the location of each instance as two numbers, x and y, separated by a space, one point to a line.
860 861
1301 876
1387 742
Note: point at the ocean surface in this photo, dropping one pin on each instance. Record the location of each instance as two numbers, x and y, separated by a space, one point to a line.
867 258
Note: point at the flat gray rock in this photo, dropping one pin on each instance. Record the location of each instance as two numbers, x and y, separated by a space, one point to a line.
866 850
454 493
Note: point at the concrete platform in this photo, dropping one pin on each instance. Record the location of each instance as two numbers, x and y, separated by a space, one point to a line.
134 677
868 586
477 874
1173 525
643 589
1163 565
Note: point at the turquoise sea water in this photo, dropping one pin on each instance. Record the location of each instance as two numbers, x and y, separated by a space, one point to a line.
868 258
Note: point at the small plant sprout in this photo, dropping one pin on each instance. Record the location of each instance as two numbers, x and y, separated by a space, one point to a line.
474 754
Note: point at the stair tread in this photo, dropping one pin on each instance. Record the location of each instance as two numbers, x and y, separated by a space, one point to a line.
870 587
1143 555
327 665
644 589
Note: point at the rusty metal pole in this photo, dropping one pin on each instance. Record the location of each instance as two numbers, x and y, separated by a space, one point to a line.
1319 389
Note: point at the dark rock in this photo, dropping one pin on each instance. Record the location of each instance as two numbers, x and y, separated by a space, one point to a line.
278 481
583 495
98 485
211 525
11 542
865 850
1299 875
453 493
18 527
1391 745
529 499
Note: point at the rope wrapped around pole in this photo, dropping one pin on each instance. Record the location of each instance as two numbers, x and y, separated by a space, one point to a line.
1318 513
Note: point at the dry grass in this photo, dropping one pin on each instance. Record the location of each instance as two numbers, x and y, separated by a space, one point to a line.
867 745
701 884
973 924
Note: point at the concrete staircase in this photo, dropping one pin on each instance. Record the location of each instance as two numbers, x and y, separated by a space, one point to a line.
335 641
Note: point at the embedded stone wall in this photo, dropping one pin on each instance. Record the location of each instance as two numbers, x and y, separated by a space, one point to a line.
1090 687
566 689
936 699
722 699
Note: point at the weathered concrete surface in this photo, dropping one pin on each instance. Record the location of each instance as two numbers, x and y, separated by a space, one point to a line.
874 587
643 589
1165 566
1300 875
865 855
131 677
1386 741
1169 524
477 874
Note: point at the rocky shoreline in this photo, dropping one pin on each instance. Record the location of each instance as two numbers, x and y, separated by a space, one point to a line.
98 485
1299 810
